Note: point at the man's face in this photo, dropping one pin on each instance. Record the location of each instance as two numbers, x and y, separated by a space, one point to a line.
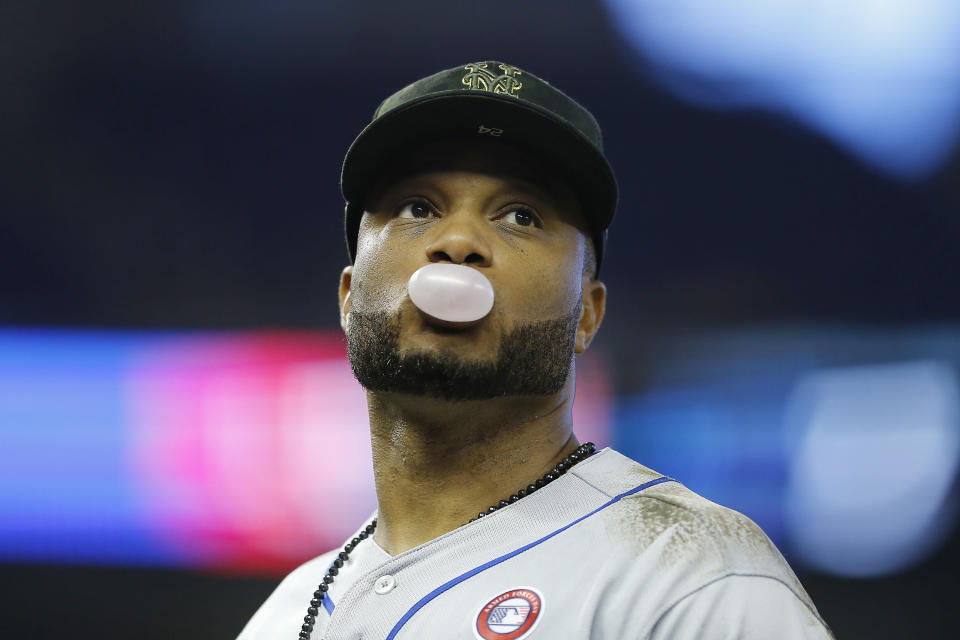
488 206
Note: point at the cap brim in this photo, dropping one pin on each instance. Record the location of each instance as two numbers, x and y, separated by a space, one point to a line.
463 113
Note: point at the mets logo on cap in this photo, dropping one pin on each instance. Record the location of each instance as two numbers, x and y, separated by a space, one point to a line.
512 615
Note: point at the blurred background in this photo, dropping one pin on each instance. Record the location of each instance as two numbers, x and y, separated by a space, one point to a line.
178 423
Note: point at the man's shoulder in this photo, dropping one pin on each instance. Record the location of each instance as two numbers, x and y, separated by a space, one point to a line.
668 543
650 512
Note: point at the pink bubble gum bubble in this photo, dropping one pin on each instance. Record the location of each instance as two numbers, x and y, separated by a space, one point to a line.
451 292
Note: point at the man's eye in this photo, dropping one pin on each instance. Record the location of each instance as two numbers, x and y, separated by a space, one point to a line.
415 210
522 217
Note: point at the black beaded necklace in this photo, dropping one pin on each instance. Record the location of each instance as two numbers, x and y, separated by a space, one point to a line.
583 451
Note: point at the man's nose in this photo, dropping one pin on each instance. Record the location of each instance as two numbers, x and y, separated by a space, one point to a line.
460 239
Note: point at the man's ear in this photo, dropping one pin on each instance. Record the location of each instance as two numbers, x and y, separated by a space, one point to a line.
345 277
593 307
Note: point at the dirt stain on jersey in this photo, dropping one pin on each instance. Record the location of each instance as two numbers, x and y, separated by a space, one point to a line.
686 528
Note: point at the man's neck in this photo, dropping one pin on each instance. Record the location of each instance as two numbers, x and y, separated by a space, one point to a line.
437 464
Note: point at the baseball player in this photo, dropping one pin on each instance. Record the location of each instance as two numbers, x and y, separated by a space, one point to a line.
478 201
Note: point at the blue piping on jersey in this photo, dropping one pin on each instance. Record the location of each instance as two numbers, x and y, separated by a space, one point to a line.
469 574
328 601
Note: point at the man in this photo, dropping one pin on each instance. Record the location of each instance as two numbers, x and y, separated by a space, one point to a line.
493 522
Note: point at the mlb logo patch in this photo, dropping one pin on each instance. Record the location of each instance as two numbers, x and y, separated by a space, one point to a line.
512 615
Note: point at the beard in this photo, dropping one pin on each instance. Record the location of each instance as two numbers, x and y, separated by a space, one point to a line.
532 359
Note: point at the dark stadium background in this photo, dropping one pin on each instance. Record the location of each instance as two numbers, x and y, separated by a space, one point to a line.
175 166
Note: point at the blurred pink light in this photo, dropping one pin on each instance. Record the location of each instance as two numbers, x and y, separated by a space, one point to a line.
240 445
251 452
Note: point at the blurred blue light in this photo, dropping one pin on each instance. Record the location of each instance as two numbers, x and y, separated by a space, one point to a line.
880 78
64 489
721 438
877 450
851 467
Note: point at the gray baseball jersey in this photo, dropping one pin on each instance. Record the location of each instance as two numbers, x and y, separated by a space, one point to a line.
609 551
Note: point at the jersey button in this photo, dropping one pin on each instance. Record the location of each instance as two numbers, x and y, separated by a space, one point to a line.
384 584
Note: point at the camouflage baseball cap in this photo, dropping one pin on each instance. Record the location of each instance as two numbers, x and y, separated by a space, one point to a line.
486 99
